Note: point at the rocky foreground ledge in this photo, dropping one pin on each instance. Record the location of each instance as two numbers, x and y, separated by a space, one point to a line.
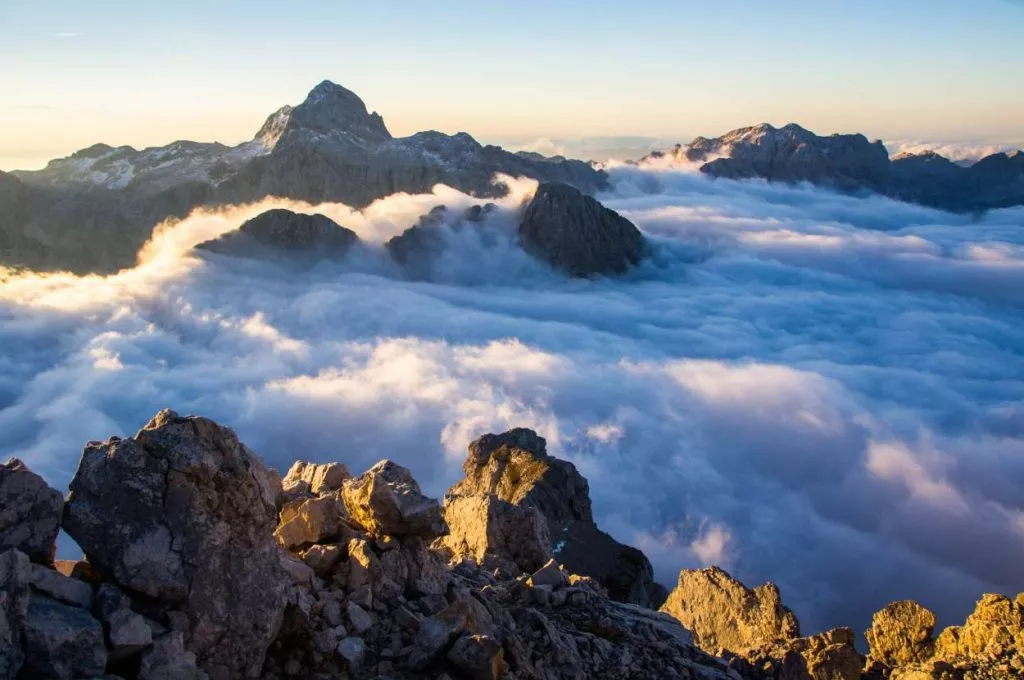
201 562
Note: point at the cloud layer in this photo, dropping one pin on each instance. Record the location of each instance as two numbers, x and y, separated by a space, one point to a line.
823 391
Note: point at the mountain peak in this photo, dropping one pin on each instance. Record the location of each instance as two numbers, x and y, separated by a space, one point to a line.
328 108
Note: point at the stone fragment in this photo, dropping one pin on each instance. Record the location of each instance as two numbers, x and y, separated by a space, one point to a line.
360 620
548 575
479 656
307 521
353 650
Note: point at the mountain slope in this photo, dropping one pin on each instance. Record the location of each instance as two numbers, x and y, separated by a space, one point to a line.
854 164
102 203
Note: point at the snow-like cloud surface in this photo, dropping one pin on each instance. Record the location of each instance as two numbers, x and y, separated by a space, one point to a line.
819 390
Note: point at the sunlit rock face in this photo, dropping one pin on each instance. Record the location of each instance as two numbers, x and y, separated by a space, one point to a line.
517 507
92 211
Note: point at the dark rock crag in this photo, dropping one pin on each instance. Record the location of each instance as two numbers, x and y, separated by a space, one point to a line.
280 232
576 234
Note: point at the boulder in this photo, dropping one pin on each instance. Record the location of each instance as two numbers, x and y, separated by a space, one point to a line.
724 615
827 656
308 521
320 477
30 512
387 500
576 234
168 659
283 232
60 587
478 656
496 533
127 634
518 507
184 514
61 642
15 575
901 634
353 650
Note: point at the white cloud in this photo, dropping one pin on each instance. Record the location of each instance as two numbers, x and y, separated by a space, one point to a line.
815 389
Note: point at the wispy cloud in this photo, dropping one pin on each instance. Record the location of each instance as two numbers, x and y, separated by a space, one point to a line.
68 34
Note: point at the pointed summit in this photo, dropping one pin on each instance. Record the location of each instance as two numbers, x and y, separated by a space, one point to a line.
328 108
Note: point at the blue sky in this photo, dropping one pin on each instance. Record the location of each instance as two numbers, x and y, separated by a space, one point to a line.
148 73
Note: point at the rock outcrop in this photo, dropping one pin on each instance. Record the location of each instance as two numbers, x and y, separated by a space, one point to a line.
280 232
901 634
30 512
190 574
61 642
183 514
725 615
517 507
92 211
756 631
576 234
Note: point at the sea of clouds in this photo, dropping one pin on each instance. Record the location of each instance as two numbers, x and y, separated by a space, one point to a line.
816 389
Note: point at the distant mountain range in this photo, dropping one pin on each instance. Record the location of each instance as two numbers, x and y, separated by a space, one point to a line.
851 163
92 211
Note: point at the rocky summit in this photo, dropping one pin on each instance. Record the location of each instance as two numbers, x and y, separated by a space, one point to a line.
203 564
282 232
576 234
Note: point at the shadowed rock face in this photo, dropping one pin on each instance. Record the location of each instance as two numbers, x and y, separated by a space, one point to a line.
723 614
283 232
576 234
92 211
518 506
793 154
30 512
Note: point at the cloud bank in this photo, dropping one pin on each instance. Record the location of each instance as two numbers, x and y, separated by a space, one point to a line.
823 391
